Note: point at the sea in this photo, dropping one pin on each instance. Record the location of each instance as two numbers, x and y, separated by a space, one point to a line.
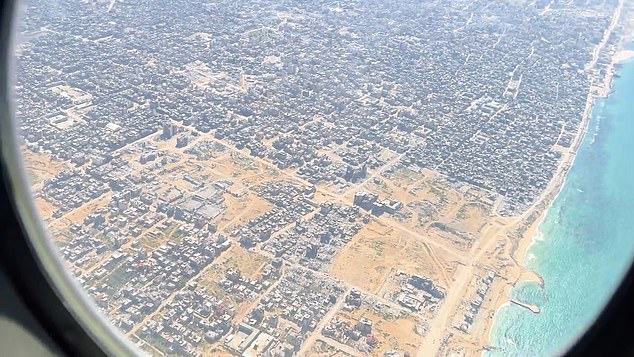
585 242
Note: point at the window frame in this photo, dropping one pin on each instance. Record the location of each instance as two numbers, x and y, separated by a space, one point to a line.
27 254
59 304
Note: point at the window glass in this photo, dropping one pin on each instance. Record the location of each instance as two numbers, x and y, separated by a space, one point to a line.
385 178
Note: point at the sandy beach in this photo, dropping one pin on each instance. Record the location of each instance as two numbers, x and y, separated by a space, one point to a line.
623 56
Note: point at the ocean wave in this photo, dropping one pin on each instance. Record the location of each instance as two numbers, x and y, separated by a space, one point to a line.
540 236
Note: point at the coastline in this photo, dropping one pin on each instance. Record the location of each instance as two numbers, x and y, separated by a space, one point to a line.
518 272
544 202
622 56
552 192
530 221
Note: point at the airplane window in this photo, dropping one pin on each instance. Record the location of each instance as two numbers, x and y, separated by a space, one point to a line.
321 178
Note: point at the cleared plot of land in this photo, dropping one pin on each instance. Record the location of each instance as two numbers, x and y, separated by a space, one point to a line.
40 167
402 334
376 251
321 197
425 198
77 215
447 233
241 210
453 218
471 217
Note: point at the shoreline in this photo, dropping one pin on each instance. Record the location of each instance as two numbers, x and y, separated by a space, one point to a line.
622 56
519 272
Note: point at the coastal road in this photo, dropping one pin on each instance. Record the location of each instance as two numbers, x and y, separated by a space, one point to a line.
441 324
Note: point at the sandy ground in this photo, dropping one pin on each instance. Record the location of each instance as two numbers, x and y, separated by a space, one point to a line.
40 166
44 208
471 217
392 333
379 251
623 56
241 210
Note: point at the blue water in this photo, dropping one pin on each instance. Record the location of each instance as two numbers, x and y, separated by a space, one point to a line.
586 241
